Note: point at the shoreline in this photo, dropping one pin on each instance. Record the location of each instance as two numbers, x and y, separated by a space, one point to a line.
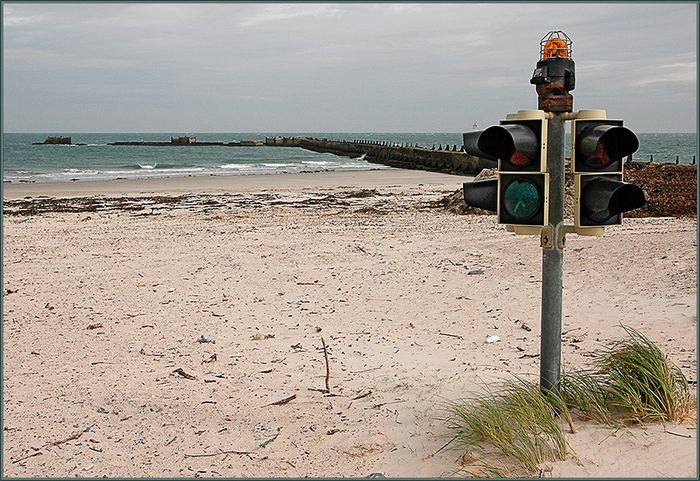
231 183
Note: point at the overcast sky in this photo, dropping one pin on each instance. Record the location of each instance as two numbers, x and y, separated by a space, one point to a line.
335 67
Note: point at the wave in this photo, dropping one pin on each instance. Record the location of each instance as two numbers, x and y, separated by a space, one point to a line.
320 163
237 166
156 165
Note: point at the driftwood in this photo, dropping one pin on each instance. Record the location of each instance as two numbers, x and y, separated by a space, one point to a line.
205 455
282 401
268 441
73 436
27 457
328 371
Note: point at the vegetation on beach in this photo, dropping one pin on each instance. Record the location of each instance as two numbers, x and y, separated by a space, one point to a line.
514 428
517 427
632 382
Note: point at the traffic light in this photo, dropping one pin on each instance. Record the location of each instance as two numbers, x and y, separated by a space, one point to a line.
523 199
598 149
517 144
601 199
601 145
520 196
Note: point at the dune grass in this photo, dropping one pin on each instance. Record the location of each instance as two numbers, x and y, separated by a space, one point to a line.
517 427
519 421
633 381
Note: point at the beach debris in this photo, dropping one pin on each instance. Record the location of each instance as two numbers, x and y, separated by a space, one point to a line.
526 327
297 346
282 401
211 358
241 453
330 432
269 440
319 329
261 337
376 475
451 335
265 371
328 371
360 396
73 436
94 326
102 410
377 406
205 339
155 354
367 370
182 373
37 453
475 272
492 339
10 291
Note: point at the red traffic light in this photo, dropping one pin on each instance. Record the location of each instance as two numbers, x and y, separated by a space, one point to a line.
601 145
516 143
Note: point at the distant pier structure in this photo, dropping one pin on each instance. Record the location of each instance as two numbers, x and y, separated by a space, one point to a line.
451 160
183 140
55 140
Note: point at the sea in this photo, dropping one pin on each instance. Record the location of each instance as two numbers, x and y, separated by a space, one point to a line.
24 162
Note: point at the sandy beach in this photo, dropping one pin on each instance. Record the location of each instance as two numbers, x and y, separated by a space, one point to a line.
148 337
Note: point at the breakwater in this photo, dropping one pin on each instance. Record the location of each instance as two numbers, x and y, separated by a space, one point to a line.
448 160
451 160
141 143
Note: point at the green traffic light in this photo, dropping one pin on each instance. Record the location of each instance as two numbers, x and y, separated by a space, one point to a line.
522 199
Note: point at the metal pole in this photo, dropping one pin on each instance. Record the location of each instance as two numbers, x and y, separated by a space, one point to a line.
552 260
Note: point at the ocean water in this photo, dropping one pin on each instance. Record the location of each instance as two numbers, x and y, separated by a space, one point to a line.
22 161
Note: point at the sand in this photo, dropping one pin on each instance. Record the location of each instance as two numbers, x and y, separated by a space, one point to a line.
103 313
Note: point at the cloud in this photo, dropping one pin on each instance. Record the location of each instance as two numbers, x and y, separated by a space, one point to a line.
37 58
405 7
274 13
11 19
682 72
414 66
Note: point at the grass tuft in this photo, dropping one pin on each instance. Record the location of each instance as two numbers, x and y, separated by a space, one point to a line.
517 427
634 382
519 421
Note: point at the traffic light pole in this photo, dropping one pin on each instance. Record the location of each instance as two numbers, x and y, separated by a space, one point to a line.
552 260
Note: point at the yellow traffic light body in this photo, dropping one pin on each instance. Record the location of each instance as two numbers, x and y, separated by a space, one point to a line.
529 207
598 149
523 188
536 121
